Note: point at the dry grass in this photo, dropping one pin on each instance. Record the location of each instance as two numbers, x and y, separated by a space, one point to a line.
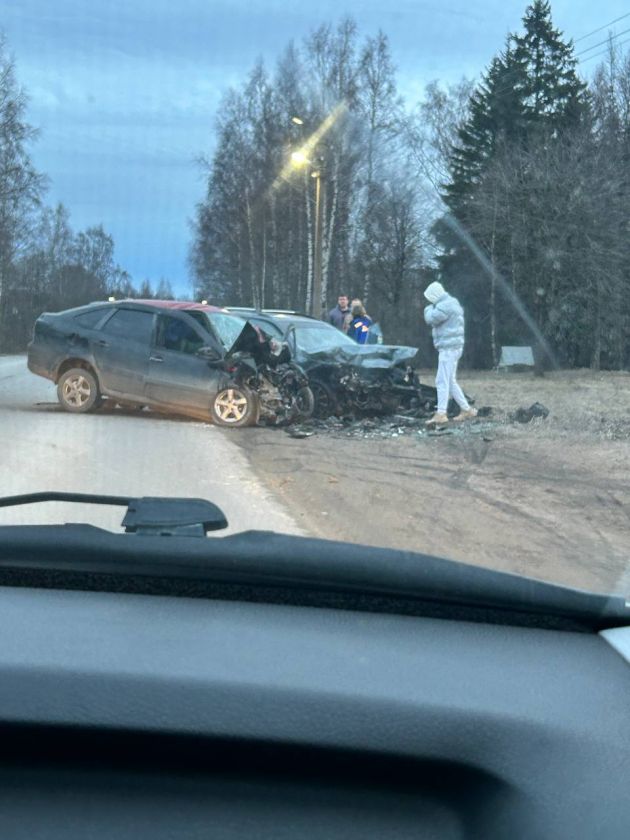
581 402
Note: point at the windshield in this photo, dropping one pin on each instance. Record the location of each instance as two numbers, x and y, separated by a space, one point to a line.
313 339
227 327
436 196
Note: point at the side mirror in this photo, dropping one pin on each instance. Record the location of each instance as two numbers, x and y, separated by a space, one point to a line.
210 354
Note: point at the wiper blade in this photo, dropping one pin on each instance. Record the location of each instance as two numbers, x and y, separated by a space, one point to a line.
162 516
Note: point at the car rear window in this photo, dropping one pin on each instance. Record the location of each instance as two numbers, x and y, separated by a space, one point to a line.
130 323
92 317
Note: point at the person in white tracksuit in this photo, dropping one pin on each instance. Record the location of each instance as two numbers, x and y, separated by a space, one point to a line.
446 317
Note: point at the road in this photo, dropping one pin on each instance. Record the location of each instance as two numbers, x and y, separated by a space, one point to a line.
120 453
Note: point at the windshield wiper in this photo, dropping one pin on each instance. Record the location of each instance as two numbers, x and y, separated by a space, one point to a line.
273 568
162 516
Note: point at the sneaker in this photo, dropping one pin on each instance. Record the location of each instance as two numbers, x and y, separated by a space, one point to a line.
470 414
438 419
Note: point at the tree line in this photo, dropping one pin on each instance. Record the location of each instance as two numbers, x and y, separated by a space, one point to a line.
44 263
513 191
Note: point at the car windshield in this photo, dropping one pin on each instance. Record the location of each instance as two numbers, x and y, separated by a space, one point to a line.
313 338
442 187
228 327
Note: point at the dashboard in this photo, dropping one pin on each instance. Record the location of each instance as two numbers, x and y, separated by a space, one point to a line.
131 715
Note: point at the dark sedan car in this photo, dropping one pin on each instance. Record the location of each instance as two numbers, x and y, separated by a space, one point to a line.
346 377
186 357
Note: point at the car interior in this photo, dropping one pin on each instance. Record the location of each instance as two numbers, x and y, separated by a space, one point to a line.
164 683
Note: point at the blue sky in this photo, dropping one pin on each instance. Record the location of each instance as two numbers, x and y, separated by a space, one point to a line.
125 93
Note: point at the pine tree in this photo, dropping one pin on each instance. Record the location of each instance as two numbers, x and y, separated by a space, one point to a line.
529 101
546 82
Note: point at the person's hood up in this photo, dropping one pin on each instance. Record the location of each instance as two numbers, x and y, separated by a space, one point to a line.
434 291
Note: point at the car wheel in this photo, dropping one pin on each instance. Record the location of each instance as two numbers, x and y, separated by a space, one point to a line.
77 391
324 399
305 403
235 406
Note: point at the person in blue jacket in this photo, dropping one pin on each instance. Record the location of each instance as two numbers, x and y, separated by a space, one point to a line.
360 324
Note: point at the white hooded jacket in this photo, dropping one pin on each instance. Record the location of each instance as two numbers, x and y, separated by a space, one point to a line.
446 316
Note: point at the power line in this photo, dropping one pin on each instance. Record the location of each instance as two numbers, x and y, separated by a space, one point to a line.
605 52
605 41
515 71
599 29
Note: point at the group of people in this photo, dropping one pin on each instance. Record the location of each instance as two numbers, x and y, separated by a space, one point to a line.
445 316
352 319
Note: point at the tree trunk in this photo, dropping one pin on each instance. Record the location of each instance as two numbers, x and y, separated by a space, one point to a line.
329 228
252 256
596 357
493 291
309 246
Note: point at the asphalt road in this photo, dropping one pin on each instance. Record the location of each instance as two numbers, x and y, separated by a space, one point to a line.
120 453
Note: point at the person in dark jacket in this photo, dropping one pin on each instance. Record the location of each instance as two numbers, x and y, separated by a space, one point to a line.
340 315
360 324
445 316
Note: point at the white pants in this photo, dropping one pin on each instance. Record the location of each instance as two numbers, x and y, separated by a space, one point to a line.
446 381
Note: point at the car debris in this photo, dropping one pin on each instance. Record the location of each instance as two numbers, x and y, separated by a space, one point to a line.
526 415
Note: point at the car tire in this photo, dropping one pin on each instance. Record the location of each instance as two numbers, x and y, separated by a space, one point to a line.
235 406
305 403
325 402
78 391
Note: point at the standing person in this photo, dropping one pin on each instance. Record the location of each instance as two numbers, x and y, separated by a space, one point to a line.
446 316
360 324
340 315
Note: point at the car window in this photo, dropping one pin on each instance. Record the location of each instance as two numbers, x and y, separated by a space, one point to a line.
228 327
130 323
92 317
175 334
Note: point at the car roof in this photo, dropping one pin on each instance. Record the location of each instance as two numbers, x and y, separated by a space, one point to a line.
174 304
272 313
280 317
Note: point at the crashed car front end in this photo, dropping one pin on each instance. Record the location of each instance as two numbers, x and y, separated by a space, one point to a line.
264 365
372 379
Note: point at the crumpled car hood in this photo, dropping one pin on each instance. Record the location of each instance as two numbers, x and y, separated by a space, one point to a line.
246 342
250 342
369 356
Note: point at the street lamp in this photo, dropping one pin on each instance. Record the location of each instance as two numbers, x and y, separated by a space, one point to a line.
299 158
297 120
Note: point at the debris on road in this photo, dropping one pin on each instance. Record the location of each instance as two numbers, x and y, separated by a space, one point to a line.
526 415
377 428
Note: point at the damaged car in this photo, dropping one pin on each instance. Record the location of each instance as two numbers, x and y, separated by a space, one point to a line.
347 378
188 358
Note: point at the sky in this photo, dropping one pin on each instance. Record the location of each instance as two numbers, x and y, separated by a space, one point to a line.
125 92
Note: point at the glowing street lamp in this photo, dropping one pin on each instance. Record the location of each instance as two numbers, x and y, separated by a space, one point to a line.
297 121
299 158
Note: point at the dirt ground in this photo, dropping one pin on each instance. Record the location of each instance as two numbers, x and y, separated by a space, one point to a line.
550 499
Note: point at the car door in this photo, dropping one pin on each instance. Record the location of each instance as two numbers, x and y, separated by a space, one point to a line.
177 375
121 350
